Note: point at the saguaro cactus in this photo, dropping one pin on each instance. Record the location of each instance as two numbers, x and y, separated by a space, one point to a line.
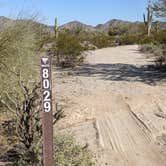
56 33
56 28
148 23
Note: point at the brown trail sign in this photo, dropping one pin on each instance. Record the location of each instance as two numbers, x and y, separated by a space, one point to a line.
47 122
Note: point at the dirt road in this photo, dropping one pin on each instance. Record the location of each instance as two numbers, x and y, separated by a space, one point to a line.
117 105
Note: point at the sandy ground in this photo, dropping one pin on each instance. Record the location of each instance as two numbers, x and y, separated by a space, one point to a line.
116 105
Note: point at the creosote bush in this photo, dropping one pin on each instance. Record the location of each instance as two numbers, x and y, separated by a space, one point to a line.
19 90
158 51
148 48
19 96
67 50
128 39
68 152
155 45
101 40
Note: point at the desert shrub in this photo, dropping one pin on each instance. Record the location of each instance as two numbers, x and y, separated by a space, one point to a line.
28 124
147 40
128 39
160 36
160 56
101 40
121 29
114 31
149 48
17 56
68 152
18 74
86 36
155 45
155 38
20 89
127 29
67 50
157 51
141 29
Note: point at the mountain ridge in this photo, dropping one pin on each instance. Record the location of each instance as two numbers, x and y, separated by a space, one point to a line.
77 25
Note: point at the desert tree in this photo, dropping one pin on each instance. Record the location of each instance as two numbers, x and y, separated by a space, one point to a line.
159 8
20 94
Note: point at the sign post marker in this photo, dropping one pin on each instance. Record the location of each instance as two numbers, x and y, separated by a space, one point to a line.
47 115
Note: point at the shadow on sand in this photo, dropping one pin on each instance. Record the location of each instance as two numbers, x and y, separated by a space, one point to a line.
123 72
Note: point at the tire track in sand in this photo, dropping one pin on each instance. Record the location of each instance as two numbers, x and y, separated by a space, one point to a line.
122 133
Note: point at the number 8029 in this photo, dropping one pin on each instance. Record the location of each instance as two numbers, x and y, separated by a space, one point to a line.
46 92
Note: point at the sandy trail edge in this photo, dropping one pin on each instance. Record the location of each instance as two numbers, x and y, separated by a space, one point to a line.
112 104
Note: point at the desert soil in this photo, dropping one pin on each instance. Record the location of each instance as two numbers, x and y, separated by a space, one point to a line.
116 105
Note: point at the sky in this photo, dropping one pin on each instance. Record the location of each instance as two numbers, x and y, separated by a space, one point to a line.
91 12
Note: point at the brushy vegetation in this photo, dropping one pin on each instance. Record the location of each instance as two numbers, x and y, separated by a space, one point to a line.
18 88
101 40
155 43
20 93
68 152
158 52
69 46
148 48
21 42
67 50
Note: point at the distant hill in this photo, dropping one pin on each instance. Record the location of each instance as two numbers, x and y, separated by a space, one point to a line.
5 22
111 23
76 25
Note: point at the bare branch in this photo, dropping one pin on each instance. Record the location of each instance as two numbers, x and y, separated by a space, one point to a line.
12 100
7 106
